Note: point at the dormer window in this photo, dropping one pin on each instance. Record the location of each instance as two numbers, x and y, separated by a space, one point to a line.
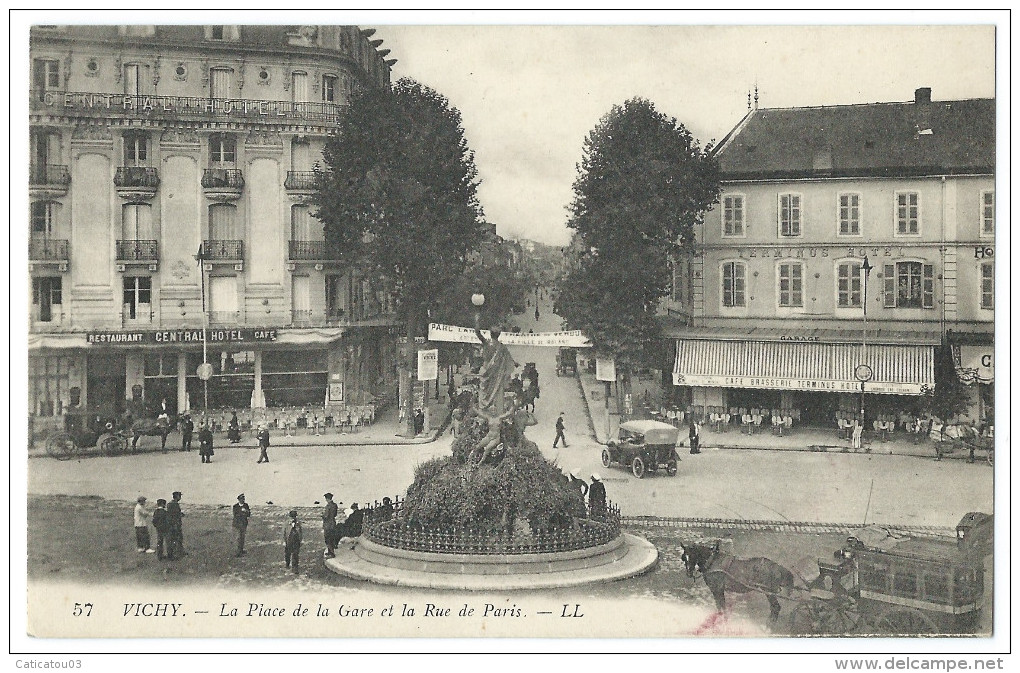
222 33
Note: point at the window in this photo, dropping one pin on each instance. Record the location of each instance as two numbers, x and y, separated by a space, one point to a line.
789 214
138 298
330 89
45 75
43 215
334 296
849 214
299 87
848 285
988 285
908 213
734 276
136 224
791 285
136 149
909 285
137 31
132 79
219 82
733 215
46 295
217 32
988 213
222 149
221 222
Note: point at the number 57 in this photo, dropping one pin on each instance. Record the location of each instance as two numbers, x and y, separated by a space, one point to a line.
82 609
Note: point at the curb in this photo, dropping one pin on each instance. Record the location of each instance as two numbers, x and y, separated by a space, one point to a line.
783 526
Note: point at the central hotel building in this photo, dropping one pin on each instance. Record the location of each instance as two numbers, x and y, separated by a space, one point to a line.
151 142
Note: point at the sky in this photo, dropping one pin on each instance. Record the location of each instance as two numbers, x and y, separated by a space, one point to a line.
530 94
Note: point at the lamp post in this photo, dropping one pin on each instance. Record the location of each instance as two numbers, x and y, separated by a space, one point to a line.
864 372
205 369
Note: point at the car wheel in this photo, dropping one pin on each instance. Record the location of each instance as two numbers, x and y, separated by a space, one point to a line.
637 466
606 458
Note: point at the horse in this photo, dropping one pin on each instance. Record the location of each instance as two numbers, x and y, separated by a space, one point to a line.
723 572
151 427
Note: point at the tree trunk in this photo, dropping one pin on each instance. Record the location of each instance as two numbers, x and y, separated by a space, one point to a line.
412 366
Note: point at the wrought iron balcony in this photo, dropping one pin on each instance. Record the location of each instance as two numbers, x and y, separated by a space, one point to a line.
136 176
223 250
48 250
174 108
307 250
301 181
48 174
222 178
137 251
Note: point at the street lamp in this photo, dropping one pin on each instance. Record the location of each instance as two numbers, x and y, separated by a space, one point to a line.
205 369
864 371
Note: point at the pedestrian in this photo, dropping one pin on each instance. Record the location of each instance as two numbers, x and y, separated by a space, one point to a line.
329 529
187 427
176 518
263 438
355 520
292 541
694 432
205 442
385 512
559 432
858 432
597 496
536 313
234 429
577 483
242 512
142 527
161 522
419 422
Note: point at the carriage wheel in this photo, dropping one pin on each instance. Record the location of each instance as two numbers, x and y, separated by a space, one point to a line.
671 468
905 621
112 445
834 617
637 466
60 446
606 458
804 619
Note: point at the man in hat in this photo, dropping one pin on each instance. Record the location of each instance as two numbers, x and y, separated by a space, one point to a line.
205 441
176 519
329 528
142 527
263 437
161 522
242 512
292 540
559 432
577 483
597 496
187 427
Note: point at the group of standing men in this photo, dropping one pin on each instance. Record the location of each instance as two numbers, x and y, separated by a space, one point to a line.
168 520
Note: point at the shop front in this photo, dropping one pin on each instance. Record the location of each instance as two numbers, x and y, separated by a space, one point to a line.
811 381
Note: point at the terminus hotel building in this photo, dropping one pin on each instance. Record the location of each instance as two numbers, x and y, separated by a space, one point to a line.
148 142
770 311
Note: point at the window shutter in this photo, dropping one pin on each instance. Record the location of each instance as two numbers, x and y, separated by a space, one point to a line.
890 285
928 287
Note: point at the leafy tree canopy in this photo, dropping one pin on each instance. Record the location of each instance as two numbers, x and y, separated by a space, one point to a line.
643 184
399 193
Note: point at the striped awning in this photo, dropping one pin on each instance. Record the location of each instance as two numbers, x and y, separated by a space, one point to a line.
790 365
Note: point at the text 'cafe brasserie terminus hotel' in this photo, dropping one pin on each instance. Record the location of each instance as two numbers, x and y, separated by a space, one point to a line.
821 210
151 142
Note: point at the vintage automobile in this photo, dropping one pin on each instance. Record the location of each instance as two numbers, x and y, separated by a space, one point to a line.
644 446
566 362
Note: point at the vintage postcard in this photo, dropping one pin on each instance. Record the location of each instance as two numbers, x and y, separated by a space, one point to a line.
419 329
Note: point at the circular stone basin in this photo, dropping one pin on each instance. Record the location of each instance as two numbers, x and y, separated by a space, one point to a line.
626 556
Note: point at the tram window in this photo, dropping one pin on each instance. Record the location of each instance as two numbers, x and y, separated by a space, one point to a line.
936 587
905 582
874 576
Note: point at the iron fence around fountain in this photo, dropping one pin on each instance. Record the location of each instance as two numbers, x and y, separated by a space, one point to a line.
396 532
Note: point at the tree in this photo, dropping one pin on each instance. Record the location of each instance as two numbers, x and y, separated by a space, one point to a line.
950 397
399 196
643 183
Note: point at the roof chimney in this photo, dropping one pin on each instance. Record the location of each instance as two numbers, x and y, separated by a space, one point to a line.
922 95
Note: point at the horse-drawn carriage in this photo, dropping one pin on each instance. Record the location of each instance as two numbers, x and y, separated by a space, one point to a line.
644 446
109 435
566 362
958 440
886 585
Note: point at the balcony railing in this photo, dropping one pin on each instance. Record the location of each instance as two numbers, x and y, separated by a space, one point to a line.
224 317
89 104
223 250
222 178
48 250
48 174
136 176
138 250
300 180
307 250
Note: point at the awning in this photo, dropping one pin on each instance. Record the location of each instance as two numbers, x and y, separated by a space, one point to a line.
56 341
820 367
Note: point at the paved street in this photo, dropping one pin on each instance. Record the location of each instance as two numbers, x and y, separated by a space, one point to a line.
728 483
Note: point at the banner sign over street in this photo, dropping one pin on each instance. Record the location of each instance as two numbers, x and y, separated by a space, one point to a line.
466 335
